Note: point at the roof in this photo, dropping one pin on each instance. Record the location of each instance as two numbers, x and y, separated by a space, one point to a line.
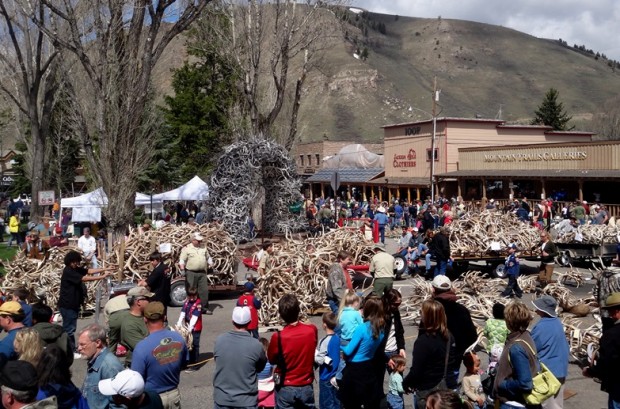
347 175
446 119
535 173
401 181
539 145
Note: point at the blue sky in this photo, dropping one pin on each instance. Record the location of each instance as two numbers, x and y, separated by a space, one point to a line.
594 23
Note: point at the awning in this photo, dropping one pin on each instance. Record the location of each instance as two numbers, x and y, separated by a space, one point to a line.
534 173
401 181
347 176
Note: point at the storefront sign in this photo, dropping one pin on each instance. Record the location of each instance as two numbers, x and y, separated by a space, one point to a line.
405 161
535 157
412 130
46 197
6 181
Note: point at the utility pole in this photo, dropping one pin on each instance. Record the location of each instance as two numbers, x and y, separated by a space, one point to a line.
434 111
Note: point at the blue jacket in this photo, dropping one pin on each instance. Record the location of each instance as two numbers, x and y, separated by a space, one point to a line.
103 366
521 380
362 346
350 319
326 372
551 344
512 265
381 218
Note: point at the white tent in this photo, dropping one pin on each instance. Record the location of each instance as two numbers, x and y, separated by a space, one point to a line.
96 198
195 189
87 207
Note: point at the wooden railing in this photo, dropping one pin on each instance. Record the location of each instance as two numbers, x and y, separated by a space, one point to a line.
612 209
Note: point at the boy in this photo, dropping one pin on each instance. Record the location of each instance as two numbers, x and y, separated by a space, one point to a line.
327 357
248 299
512 271
191 316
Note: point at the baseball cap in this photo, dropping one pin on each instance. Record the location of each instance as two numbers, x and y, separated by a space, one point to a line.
126 383
139 291
241 315
11 308
249 286
19 375
513 246
442 282
154 310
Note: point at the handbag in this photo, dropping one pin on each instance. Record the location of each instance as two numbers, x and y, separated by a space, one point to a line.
545 384
421 395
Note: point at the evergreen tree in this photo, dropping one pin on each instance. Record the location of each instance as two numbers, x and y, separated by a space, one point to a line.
551 112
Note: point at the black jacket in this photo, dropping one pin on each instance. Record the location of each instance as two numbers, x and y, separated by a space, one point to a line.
428 362
159 283
459 322
607 364
441 247
552 250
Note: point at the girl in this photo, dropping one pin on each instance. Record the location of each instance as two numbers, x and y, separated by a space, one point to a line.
472 386
496 332
28 345
55 379
395 394
191 316
349 319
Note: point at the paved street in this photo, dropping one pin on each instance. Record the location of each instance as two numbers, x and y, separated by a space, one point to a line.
197 390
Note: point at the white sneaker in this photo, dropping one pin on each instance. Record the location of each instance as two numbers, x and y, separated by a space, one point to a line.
77 356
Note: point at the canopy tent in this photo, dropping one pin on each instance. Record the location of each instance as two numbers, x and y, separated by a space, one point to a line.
195 189
87 207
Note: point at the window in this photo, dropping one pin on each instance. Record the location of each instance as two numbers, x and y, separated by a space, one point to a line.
428 154
318 159
301 160
309 160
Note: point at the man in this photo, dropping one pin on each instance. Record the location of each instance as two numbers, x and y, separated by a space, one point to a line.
127 389
382 268
88 245
21 295
338 280
35 248
263 259
159 280
194 261
101 364
11 320
579 212
50 333
293 348
381 219
606 366
491 205
160 357
403 243
325 215
113 312
551 345
18 380
441 250
238 359
458 318
57 240
132 326
548 252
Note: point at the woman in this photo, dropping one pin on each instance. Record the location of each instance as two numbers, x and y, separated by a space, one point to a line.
73 290
434 361
28 345
14 230
359 378
517 362
445 399
55 379
394 340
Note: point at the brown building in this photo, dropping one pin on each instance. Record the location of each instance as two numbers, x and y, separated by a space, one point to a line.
408 148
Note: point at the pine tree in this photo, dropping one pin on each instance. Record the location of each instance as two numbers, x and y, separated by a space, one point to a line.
551 112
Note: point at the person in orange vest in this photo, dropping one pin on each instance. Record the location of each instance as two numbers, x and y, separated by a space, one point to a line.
248 299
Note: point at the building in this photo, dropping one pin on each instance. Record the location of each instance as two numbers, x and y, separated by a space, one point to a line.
309 156
408 155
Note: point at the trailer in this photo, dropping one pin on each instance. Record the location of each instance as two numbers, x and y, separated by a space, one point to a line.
570 253
493 259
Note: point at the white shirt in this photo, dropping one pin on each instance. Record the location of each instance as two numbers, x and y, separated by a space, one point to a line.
87 245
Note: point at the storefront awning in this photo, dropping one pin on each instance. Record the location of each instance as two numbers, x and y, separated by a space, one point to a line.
401 181
346 175
534 173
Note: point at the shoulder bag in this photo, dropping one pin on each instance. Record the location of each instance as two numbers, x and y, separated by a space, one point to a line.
278 377
545 384
421 395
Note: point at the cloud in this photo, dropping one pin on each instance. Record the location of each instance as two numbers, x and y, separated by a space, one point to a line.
593 23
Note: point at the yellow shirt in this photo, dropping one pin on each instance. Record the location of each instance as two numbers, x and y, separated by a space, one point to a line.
194 258
262 264
383 265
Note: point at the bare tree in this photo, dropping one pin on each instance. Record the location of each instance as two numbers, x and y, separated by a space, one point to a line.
117 44
606 123
275 44
28 69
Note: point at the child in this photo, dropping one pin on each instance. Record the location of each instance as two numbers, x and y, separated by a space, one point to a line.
248 299
327 357
266 386
512 271
395 394
496 332
349 319
191 316
472 386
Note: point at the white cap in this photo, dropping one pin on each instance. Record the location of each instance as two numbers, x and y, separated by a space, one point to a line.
198 237
126 383
492 200
241 315
442 282
416 229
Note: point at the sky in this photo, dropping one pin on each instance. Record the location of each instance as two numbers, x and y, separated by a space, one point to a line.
593 23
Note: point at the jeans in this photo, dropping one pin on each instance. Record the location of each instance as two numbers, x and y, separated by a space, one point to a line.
394 401
195 352
382 233
16 237
513 286
216 406
613 404
333 304
427 261
440 267
296 397
509 406
328 396
69 325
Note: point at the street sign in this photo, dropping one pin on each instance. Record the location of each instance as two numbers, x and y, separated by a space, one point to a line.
335 181
46 197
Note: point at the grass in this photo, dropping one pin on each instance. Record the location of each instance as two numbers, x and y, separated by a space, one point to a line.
6 254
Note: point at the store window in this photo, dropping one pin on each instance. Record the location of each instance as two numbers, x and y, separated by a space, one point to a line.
428 154
301 160
318 159
309 160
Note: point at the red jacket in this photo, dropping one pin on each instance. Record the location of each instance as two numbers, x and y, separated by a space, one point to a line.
248 300
298 344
